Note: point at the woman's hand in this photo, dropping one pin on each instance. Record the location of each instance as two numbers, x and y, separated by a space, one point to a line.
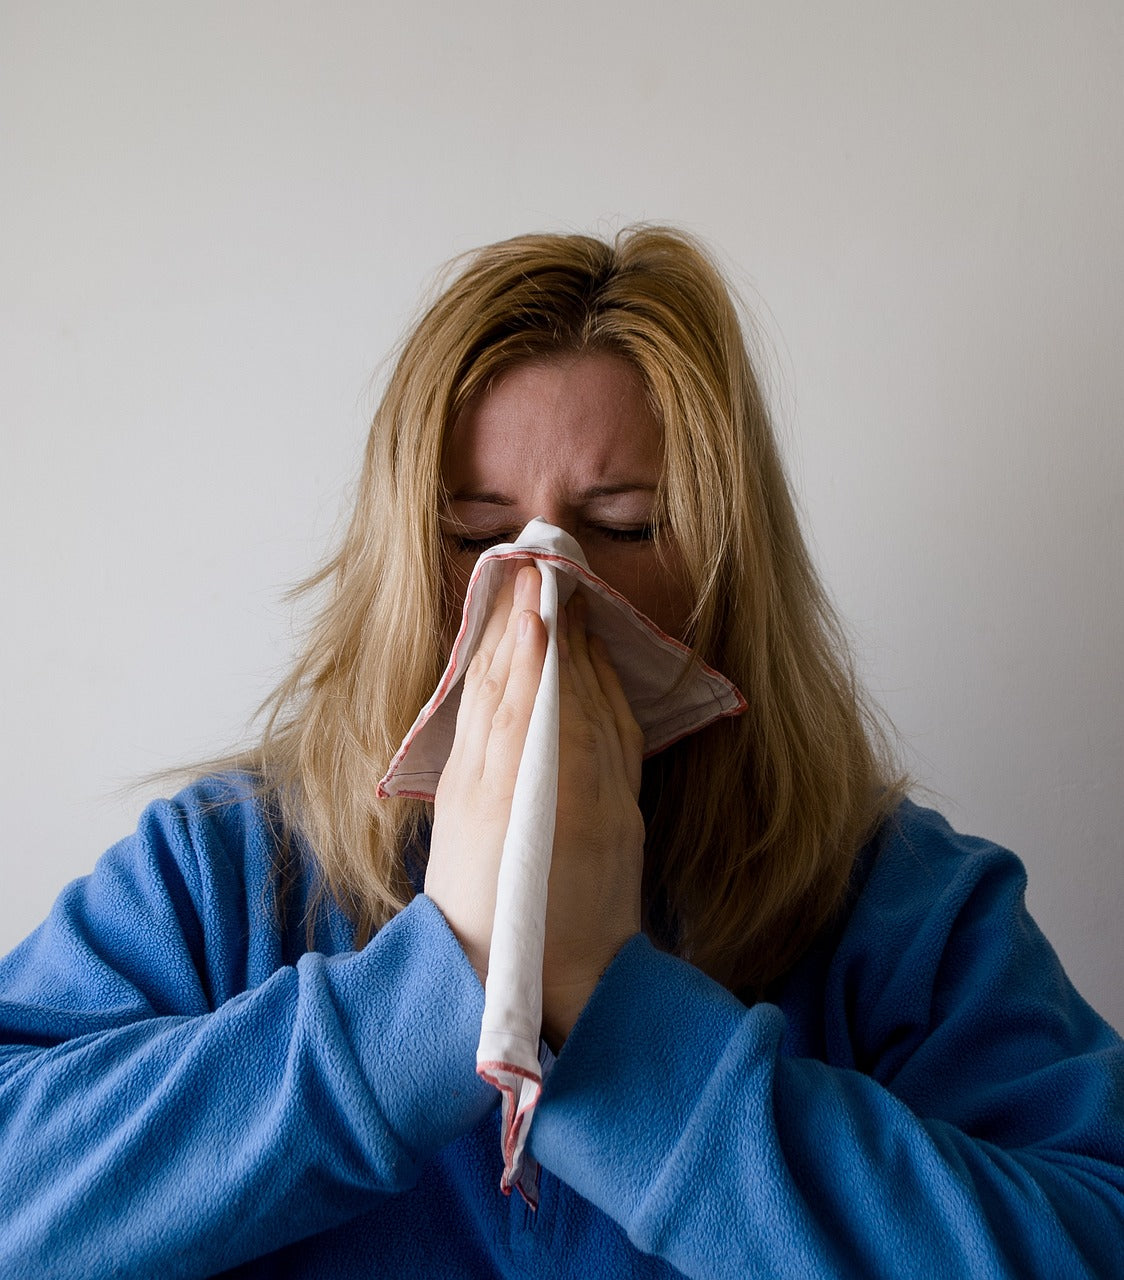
594 888
473 798
593 904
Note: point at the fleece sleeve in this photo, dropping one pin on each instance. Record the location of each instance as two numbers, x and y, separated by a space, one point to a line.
967 1118
155 1120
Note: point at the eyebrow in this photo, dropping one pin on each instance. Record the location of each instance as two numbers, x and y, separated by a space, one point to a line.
587 495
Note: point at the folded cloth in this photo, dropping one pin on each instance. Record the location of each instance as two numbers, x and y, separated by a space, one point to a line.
671 694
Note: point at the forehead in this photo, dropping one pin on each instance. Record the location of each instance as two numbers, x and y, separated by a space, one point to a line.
584 417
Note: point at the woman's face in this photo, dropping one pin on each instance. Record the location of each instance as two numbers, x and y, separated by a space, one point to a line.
570 439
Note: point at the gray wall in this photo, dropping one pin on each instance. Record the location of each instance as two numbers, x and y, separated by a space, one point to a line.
218 217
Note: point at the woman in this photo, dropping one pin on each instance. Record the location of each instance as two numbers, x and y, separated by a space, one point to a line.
802 1028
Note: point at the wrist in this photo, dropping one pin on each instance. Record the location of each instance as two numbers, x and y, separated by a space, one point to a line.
563 1003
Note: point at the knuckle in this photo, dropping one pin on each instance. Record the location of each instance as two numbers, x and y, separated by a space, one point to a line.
596 702
477 668
484 687
495 795
582 738
504 717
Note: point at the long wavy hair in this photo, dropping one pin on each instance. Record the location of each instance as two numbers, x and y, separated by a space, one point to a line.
752 825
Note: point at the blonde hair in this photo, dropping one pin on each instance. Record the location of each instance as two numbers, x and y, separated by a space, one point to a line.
753 824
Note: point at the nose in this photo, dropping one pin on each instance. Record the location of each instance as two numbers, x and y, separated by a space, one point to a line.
554 510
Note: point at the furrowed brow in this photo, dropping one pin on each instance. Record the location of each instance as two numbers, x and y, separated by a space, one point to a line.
609 490
490 498
482 495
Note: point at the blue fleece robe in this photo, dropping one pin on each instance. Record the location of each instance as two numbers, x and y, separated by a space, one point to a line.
186 1088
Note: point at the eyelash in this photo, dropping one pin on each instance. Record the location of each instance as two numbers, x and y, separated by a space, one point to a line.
642 533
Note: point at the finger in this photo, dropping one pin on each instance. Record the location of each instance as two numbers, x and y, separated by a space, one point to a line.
487 673
499 613
630 734
524 596
474 688
585 681
571 635
587 718
507 732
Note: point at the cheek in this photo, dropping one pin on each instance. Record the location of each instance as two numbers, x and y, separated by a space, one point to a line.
653 584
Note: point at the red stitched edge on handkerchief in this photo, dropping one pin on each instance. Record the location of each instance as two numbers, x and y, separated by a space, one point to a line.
484 1070
452 668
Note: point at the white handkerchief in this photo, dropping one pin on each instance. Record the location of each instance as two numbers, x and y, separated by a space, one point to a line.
671 695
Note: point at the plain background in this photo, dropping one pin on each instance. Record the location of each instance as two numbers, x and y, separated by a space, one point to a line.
217 219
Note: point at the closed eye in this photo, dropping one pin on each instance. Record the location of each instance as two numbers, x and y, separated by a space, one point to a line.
639 533
478 545
467 544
